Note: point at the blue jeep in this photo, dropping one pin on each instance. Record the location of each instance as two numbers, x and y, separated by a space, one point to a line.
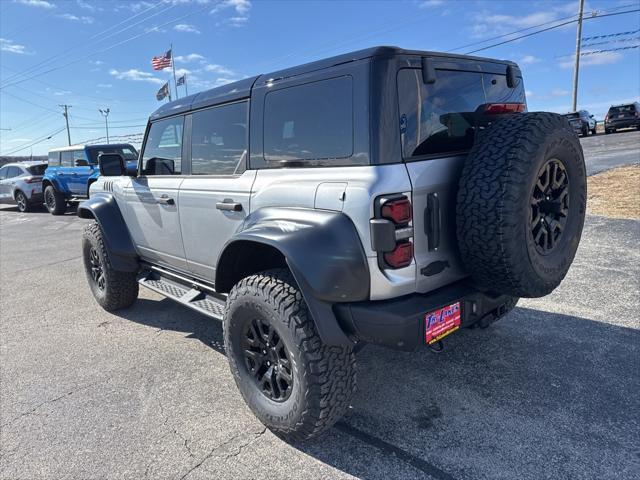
73 169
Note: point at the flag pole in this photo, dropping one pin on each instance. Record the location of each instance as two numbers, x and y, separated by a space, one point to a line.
173 65
186 90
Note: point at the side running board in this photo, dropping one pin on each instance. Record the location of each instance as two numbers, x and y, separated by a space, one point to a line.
184 291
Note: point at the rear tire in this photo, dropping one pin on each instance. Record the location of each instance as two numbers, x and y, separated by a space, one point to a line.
293 383
55 201
585 131
22 202
521 204
594 131
112 289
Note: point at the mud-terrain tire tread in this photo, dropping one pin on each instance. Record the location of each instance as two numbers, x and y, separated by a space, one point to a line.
61 202
330 371
490 186
121 289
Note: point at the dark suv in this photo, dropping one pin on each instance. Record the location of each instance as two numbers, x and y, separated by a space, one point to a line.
582 122
622 116
385 196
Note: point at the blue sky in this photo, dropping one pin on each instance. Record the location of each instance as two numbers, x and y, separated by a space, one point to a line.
97 54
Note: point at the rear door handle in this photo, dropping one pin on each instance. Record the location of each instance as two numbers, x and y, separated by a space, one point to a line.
165 200
229 206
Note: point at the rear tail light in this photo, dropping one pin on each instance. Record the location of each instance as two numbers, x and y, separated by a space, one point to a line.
500 108
392 231
398 211
32 179
606 117
401 256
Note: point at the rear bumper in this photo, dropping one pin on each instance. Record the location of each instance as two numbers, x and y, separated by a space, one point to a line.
400 323
625 123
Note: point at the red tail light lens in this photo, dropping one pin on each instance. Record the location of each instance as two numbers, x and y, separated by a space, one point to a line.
401 256
606 117
32 179
398 211
500 108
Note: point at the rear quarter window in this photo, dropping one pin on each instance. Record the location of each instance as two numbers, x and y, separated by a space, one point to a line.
310 122
439 118
37 169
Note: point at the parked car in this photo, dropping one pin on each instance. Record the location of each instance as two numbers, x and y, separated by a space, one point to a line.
582 122
622 116
21 183
73 169
352 203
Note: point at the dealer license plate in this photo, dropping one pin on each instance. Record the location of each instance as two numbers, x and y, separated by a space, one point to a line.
442 322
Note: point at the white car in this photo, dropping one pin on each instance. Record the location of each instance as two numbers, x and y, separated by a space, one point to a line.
21 184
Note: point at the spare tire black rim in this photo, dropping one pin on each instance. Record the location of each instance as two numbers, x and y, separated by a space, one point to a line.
267 360
549 206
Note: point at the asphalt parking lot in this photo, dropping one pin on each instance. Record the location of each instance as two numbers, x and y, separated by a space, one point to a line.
552 391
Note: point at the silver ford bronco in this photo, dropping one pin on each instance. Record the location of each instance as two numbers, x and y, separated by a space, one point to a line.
384 196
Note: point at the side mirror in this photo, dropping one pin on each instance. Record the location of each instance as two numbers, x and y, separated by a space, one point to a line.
590 116
132 169
81 162
111 165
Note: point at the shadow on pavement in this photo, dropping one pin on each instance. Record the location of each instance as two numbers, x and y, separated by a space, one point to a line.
537 395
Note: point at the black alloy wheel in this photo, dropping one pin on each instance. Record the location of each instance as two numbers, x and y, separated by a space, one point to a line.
97 272
267 360
50 199
549 206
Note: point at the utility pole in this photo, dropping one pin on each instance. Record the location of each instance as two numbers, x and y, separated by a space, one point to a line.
66 117
105 114
576 67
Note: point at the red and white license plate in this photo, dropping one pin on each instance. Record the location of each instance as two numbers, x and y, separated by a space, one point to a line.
441 322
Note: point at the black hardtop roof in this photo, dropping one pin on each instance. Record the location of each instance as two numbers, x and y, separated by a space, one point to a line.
242 88
110 145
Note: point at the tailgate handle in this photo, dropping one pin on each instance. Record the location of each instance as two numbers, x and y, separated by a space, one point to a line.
432 221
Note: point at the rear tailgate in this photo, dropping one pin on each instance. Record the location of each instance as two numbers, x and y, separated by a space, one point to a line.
438 128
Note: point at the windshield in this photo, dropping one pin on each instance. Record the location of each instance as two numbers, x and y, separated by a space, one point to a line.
37 169
128 153
622 109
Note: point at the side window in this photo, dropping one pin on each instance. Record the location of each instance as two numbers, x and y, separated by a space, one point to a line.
218 139
309 122
80 155
54 159
14 172
163 149
66 158
3 172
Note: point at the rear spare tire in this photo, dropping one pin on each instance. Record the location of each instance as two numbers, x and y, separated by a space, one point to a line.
521 204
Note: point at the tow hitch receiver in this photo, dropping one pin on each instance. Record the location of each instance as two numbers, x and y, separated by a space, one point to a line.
442 322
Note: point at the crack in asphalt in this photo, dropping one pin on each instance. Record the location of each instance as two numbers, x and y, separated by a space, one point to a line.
254 436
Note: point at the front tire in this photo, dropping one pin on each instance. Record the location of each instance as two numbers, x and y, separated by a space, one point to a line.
112 289
294 384
22 202
55 201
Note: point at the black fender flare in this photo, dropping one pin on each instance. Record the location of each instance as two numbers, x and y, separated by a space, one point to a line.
324 253
104 209
52 181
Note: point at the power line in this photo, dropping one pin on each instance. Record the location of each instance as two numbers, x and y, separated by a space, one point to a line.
596 52
42 139
615 40
550 28
618 34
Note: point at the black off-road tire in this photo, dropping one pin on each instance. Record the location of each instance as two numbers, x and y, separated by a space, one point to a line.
55 201
323 376
495 204
585 131
594 131
117 289
22 202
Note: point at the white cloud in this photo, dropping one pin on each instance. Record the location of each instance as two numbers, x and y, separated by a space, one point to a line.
87 6
104 85
185 27
528 60
431 3
182 71
135 75
155 29
559 92
9 46
37 3
15 140
212 67
192 57
240 7
605 58
96 62
76 18
529 93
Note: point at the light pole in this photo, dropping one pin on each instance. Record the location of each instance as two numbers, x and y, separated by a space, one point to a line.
576 65
105 114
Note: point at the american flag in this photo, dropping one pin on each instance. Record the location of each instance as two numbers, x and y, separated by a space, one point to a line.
162 62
